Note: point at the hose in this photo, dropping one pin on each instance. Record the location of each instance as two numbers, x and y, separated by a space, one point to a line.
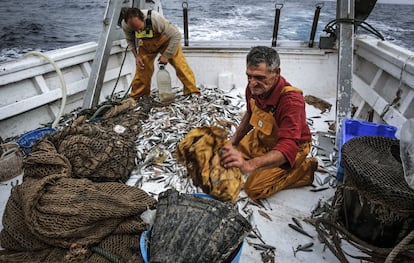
99 110
106 254
62 81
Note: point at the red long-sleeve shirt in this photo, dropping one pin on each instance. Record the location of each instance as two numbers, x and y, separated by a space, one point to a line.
290 116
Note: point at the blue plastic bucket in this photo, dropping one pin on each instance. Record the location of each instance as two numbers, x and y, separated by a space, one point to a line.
27 140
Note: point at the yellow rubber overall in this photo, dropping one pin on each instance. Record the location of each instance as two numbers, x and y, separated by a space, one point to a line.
148 50
262 139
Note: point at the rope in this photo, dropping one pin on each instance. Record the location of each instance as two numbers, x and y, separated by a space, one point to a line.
119 74
106 254
331 233
397 249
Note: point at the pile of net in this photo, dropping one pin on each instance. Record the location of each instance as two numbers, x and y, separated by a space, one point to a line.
200 152
72 205
374 209
11 159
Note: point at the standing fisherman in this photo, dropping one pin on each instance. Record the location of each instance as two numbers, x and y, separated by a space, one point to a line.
148 33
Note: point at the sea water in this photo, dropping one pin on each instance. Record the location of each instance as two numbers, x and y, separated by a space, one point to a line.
42 25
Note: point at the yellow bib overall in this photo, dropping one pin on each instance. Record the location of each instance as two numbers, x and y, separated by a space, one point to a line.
260 140
149 47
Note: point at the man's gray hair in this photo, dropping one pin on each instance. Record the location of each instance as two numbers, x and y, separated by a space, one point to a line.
265 54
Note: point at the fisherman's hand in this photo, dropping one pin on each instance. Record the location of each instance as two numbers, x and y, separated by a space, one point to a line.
231 157
163 60
139 62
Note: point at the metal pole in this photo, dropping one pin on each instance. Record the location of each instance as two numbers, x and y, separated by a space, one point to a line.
100 61
276 24
315 24
345 10
185 15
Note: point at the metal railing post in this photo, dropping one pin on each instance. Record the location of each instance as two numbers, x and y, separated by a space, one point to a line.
315 24
276 24
185 16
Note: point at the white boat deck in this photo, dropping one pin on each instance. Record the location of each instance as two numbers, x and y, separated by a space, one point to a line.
383 82
280 208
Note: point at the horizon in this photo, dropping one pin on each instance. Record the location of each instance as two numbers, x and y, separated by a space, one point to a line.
398 2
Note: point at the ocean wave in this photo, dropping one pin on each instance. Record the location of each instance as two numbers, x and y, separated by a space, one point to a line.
46 25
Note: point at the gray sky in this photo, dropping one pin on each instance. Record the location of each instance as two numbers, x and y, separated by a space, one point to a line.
395 1
410 2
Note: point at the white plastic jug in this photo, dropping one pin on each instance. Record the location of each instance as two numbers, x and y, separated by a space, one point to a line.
164 85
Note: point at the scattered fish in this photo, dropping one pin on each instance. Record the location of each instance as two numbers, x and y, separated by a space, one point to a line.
300 230
321 208
305 247
262 246
166 126
265 201
319 189
265 215
257 203
268 256
297 222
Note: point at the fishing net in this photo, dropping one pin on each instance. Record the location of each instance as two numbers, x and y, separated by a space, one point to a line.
70 206
378 202
190 228
11 161
374 209
95 153
200 151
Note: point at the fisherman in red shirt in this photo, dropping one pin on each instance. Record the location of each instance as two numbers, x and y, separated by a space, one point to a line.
273 140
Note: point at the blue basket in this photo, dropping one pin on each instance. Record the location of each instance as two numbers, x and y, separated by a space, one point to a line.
146 236
354 128
27 140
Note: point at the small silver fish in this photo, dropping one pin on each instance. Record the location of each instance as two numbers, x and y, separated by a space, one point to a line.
305 247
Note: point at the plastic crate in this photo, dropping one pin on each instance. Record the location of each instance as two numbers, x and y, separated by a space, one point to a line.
354 128
27 140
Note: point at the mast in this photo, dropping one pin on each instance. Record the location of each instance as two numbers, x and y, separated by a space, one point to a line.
344 10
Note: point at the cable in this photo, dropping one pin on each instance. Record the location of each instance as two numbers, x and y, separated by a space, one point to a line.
119 74
106 254
329 28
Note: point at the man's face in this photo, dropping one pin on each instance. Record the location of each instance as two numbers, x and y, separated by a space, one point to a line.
135 24
260 80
